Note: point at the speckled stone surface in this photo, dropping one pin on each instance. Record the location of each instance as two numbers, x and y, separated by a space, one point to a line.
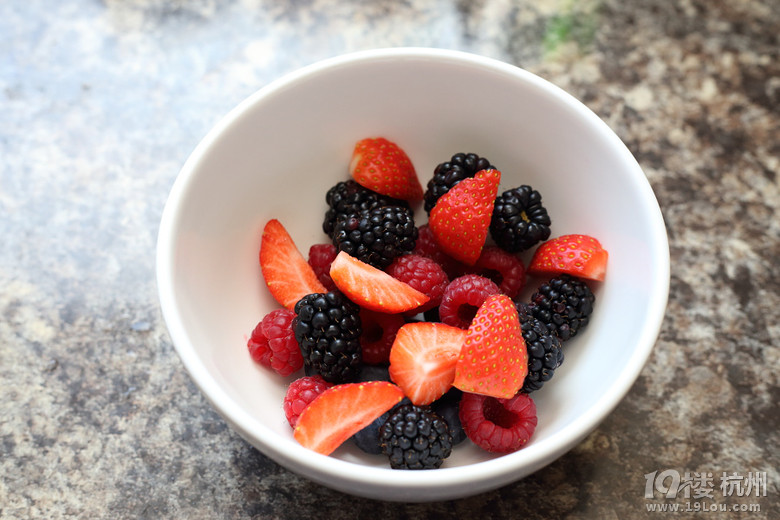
102 101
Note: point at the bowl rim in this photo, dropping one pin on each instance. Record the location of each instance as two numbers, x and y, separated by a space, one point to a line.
497 471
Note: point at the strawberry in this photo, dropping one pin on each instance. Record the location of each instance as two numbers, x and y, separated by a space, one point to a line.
341 411
287 274
422 359
577 255
382 166
461 217
494 359
372 288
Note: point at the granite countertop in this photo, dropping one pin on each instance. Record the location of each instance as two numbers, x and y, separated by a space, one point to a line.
102 101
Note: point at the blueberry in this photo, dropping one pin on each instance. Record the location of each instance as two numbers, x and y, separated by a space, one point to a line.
367 439
447 407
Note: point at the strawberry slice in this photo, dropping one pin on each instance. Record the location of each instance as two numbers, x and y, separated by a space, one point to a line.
494 359
372 288
577 255
422 359
382 166
461 217
341 411
286 272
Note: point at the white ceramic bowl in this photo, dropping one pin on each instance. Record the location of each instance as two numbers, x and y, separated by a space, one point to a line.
275 156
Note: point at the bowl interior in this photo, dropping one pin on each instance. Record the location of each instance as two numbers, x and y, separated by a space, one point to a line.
277 154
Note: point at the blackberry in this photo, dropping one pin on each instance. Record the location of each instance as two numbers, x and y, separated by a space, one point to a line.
544 352
376 236
519 220
448 174
327 327
564 304
350 197
415 438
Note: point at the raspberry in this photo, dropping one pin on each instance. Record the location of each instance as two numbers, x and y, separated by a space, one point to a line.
300 393
462 299
505 269
498 425
379 331
320 258
423 274
426 246
273 345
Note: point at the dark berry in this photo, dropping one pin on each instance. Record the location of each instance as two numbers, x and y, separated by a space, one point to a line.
462 298
421 273
350 197
544 352
328 328
519 220
448 174
379 330
373 373
505 269
498 425
447 407
273 345
564 304
377 236
367 439
415 438
300 393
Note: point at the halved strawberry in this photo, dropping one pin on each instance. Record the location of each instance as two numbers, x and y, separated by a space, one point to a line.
372 288
286 272
341 411
461 217
494 359
382 166
577 255
422 359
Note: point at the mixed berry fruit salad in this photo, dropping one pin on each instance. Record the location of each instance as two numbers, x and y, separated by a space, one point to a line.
409 338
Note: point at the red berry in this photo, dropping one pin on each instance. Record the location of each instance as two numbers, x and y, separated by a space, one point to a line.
320 258
426 245
461 217
422 361
498 425
300 393
379 330
423 274
382 166
286 273
578 255
494 357
273 345
343 410
462 297
505 269
372 288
